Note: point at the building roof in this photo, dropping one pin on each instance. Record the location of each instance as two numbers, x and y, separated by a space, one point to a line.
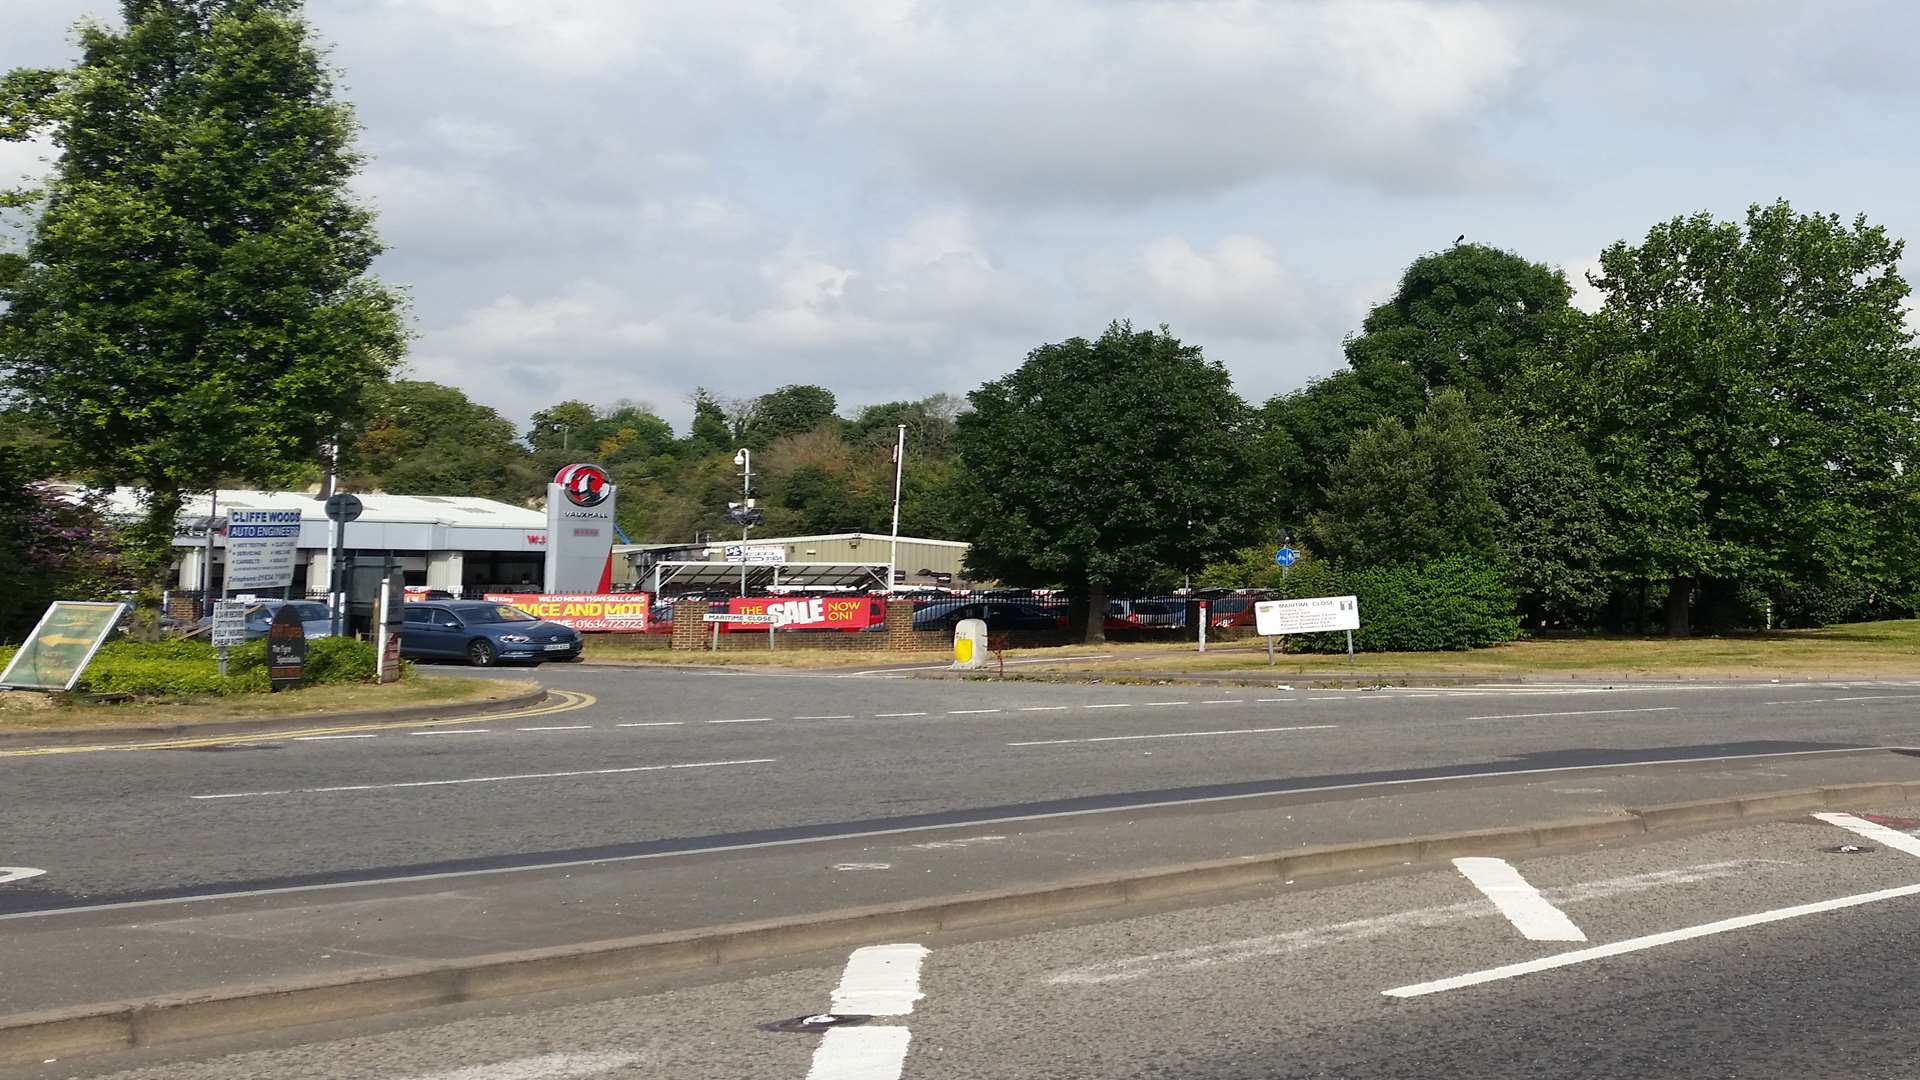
463 511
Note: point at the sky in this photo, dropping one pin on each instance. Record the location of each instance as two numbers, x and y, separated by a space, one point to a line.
608 199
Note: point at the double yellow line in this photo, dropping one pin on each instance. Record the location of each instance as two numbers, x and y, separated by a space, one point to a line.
559 701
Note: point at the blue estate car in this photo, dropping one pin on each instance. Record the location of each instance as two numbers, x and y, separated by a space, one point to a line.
482 633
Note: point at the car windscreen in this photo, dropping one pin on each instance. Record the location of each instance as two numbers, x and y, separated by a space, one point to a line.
497 613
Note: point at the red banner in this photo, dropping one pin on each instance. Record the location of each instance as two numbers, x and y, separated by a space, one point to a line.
589 613
807 612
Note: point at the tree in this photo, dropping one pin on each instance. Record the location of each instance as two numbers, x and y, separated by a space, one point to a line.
1312 428
709 432
1099 463
193 302
1407 495
565 427
789 410
1555 540
1468 317
427 439
1750 399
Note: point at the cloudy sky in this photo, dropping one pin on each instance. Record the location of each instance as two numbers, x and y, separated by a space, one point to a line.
613 199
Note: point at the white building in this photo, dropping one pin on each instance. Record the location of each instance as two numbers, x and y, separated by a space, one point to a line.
462 545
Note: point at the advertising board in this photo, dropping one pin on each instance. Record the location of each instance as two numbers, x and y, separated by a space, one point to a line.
589 613
755 554
262 548
580 527
1315 615
808 612
61 645
286 650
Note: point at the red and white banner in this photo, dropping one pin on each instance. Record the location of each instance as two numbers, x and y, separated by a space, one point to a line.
589 613
809 612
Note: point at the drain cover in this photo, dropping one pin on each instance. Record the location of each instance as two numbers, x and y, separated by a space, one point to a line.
1849 849
818 1022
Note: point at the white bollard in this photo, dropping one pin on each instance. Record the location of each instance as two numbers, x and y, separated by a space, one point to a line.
970 645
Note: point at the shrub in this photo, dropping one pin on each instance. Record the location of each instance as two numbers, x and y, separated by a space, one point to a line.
340 660
176 668
1458 602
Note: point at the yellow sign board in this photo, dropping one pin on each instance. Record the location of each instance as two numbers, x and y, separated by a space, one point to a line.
62 645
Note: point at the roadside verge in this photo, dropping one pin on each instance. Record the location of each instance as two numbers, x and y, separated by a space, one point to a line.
126 1025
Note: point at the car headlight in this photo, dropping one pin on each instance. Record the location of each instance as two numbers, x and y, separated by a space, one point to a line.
516 639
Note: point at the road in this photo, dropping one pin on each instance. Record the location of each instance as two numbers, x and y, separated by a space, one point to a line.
1757 953
686 761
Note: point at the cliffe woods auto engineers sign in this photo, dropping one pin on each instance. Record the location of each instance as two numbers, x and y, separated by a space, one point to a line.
1312 616
262 549
589 613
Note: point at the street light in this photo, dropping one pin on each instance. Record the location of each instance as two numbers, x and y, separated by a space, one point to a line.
744 512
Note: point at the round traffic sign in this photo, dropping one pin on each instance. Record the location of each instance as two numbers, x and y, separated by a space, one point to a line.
344 508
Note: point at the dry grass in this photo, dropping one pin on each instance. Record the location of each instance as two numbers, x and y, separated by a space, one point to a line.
1866 649
26 710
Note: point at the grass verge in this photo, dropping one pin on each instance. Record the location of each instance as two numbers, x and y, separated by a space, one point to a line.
22 710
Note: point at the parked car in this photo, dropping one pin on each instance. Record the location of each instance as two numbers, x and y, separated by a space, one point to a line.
999 615
1146 614
484 633
315 619
1231 611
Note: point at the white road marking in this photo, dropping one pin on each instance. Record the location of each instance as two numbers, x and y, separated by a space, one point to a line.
11 874
860 1053
1530 913
895 715
880 980
1584 712
1874 831
1650 941
855 834
1175 735
863 866
1880 697
455 731
1166 703
1271 700
557 727
1010 663
1113 705
1043 708
1316 937
485 779
330 738
823 718
752 720
965 841
543 1067
654 723
970 712
1222 701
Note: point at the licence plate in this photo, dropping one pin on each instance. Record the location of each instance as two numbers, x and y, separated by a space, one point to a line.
559 647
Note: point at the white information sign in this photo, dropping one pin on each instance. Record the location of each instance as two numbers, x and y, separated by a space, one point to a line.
742 618
262 548
229 623
757 555
1312 616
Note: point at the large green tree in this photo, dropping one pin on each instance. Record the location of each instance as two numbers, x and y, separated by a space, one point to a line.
194 302
1751 395
1099 464
789 410
1410 494
428 439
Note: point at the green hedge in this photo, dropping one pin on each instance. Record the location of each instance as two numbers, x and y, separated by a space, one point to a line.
177 668
1446 604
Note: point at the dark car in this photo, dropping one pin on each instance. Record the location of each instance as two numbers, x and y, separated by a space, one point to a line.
315 619
999 615
483 633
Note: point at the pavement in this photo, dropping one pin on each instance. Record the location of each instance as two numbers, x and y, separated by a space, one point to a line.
663 800
1765 951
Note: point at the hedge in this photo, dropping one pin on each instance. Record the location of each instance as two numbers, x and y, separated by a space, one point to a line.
180 667
1445 604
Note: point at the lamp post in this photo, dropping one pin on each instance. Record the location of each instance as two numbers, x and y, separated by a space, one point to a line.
744 458
893 546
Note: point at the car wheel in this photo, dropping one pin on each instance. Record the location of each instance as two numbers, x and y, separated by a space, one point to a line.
480 653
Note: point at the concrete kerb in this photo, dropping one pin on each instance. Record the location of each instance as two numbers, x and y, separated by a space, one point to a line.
34 1037
83 736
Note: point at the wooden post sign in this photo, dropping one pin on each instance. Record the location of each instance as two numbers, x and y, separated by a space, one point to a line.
286 649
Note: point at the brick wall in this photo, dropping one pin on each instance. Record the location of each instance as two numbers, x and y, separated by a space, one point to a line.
690 629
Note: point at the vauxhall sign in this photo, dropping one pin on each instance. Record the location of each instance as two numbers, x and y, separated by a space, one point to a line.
580 531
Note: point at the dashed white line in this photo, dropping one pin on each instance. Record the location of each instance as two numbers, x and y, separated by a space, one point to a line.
1880 697
756 720
1873 830
1166 703
1528 911
823 717
861 1053
653 723
895 715
1222 701
557 727
880 980
1650 941
1113 705
970 712
484 779
1584 712
1043 708
330 738
1175 735
455 731
1272 700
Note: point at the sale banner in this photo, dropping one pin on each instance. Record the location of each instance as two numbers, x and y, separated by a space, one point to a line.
589 613
806 612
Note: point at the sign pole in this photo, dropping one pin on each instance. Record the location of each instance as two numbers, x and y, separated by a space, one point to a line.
1349 648
206 570
1269 650
1203 626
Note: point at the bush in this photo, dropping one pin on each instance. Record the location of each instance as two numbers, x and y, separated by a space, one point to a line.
180 667
1837 600
1457 602
341 660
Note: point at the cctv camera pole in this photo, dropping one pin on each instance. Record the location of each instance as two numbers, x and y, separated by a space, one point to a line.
744 459
893 546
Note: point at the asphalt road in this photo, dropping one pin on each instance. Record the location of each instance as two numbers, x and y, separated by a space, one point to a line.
1751 953
688 761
